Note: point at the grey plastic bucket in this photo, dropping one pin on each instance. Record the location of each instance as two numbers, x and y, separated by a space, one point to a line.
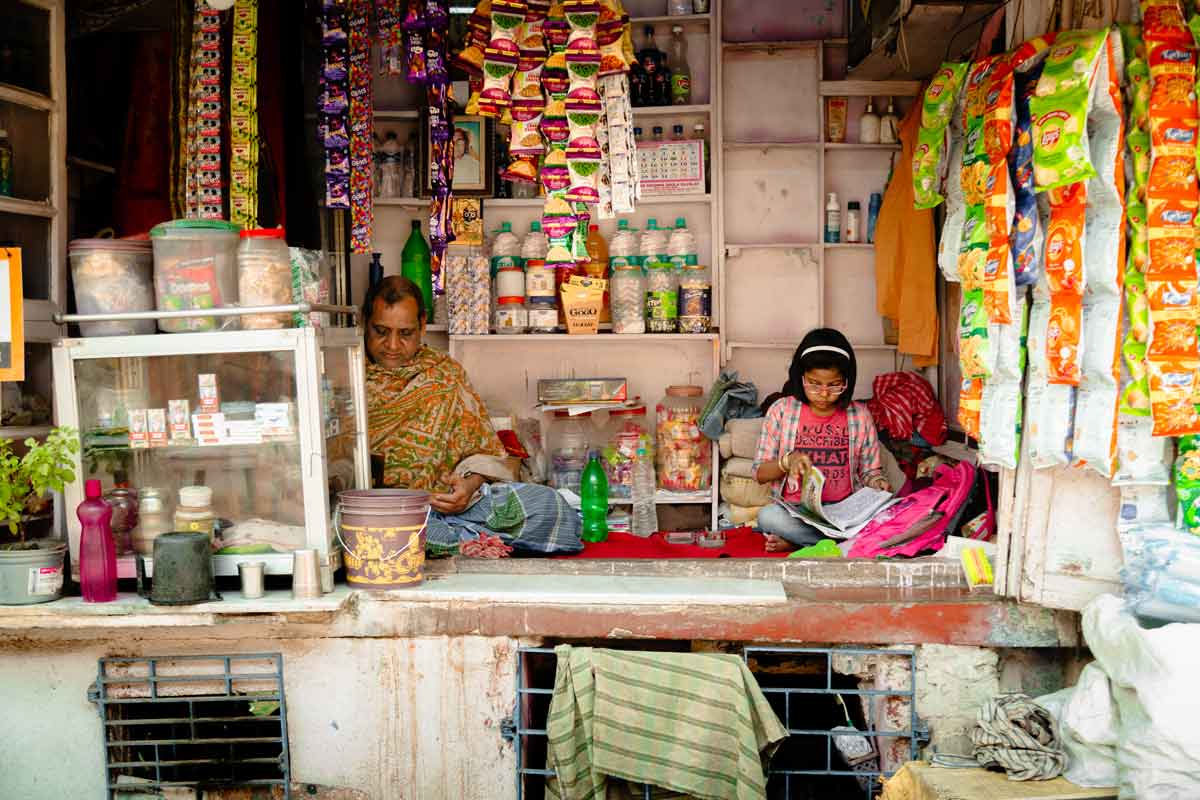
31 576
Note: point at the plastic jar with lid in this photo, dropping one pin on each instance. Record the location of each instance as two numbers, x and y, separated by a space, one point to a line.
195 267
543 315
570 441
195 512
662 298
628 429
511 316
695 299
510 281
264 276
684 455
153 520
628 299
113 276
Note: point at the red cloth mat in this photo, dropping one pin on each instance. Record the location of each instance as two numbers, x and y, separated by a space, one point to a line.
739 543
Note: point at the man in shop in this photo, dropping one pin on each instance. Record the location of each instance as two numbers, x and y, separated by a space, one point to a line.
432 432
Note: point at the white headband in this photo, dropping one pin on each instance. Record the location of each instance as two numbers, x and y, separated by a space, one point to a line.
827 347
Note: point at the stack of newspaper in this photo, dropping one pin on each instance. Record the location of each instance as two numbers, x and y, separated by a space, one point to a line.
836 520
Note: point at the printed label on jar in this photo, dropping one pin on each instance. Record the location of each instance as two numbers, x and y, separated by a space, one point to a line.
44 581
504 262
662 306
539 282
681 87
695 301
543 318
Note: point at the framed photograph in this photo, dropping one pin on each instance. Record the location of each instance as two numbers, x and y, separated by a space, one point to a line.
474 170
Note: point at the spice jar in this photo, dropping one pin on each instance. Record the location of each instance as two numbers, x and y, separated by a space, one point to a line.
264 276
511 316
628 429
628 299
153 520
195 512
684 455
695 299
662 298
124 517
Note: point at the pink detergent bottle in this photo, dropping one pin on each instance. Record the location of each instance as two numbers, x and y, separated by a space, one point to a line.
97 551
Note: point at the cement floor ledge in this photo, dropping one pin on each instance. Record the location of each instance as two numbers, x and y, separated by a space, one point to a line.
570 607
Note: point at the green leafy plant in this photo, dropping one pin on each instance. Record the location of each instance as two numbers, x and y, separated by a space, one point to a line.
25 480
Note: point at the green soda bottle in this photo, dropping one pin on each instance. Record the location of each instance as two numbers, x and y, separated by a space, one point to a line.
414 265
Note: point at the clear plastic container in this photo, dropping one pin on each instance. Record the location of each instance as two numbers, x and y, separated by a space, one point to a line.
113 276
195 267
623 247
684 455
535 244
543 315
264 276
628 429
695 299
153 520
662 298
569 445
628 292
652 246
681 245
511 316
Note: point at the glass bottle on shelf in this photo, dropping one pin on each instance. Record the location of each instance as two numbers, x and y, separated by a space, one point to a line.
889 124
656 134
681 73
699 135
676 133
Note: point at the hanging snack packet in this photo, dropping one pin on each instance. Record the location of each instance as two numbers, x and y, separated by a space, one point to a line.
974 354
956 212
1026 235
1065 281
1060 107
939 107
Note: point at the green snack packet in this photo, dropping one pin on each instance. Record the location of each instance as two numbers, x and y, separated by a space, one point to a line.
973 346
937 111
1138 142
941 96
1071 62
1135 397
1060 147
1138 74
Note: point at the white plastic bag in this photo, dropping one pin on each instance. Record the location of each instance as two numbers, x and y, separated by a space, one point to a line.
1088 728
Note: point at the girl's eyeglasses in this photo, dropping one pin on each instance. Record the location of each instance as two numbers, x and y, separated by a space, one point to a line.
831 390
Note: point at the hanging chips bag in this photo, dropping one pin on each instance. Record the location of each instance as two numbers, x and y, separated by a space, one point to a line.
1060 107
939 106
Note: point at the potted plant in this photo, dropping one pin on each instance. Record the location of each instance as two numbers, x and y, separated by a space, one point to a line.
31 569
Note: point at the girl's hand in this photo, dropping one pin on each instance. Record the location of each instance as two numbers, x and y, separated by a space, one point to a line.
797 465
879 482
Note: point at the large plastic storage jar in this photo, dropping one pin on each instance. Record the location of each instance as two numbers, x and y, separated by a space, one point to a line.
113 276
628 429
684 455
628 291
570 441
264 276
195 267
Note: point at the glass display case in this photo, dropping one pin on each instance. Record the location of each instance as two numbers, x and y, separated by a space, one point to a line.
273 422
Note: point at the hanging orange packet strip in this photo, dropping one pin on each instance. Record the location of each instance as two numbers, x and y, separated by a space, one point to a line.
1064 274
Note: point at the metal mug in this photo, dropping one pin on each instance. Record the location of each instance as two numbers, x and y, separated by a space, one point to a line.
306 574
251 573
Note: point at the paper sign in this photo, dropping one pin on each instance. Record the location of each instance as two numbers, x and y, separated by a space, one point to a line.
12 318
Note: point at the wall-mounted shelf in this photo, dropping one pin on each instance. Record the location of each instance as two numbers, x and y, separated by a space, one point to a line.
25 98
607 338
860 146
744 145
403 202
675 19
657 200
870 88
401 114
21 433
849 246
26 208
671 111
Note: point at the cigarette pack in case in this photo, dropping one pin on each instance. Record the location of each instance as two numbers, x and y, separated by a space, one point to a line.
209 428
156 426
177 420
275 419
210 396
571 391
138 434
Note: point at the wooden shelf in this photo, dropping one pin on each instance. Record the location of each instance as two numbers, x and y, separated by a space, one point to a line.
671 111
26 98
403 202
20 433
779 145
27 208
594 337
771 245
860 146
849 246
678 19
870 88
792 346
658 200
770 46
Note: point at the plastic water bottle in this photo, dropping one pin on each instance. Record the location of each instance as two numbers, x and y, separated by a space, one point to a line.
681 246
645 513
623 247
873 214
97 550
653 245
506 248
535 244
593 501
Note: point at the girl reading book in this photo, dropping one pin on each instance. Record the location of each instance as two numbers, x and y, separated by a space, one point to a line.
815 423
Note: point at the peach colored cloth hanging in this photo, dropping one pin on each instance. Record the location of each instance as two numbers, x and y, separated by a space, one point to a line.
905 257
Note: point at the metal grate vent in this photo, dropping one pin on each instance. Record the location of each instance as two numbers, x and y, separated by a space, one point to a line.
201 722
813 694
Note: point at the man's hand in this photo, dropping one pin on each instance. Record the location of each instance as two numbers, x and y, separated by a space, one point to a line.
458 499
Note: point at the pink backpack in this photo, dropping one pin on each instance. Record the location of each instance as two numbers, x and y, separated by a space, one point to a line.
920 521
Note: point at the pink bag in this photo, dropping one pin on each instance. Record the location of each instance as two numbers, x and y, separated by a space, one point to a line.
920 521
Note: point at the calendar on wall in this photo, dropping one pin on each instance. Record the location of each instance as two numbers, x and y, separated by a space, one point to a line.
669 168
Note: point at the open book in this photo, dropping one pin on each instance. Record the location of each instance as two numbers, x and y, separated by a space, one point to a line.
836 520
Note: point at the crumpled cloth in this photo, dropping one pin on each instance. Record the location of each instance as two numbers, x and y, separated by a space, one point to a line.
729 398
1016 734
904 404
